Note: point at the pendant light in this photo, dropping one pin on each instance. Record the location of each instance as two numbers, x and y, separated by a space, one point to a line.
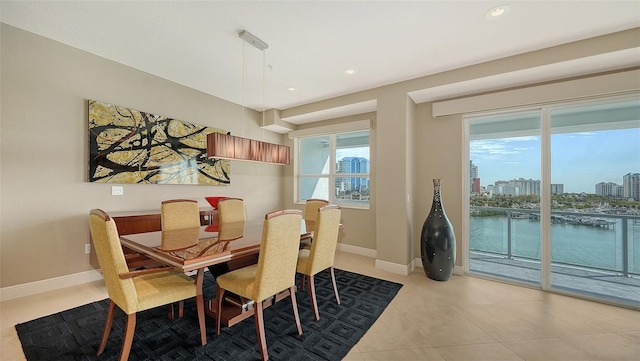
227 146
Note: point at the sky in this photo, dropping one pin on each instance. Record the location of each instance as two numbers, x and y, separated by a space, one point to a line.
362 152
578 160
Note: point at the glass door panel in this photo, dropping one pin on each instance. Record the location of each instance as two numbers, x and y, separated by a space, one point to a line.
504 219
595 210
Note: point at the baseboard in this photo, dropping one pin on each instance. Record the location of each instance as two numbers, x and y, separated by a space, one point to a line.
382 265
393 267
368 252
32 288
457 270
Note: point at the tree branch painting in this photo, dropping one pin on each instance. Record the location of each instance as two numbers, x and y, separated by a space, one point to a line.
130 146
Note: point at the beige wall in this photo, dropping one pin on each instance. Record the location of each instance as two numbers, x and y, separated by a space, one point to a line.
45 198
438 155
412 146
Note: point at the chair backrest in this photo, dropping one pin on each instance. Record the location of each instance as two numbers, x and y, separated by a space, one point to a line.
228 231
325 238
179 214
278 253
311 208
106 243
231 210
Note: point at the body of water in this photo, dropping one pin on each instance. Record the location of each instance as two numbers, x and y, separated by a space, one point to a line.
574 244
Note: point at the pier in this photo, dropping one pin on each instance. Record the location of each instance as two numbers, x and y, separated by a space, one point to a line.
576 220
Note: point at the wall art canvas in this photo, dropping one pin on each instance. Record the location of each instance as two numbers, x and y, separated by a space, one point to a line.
130 146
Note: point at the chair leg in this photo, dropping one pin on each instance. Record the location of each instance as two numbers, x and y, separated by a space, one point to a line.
294 303
304 279
107 327
180 309
170 314
128 337
312 297
335 287
219 297
262 341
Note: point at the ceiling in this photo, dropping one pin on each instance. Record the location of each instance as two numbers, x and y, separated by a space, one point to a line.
312 43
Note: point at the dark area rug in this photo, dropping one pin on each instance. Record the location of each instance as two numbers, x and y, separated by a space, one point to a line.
75 334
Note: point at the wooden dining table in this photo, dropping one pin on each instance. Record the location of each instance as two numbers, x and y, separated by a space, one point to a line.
194 249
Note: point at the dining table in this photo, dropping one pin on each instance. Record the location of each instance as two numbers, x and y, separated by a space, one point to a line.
195 249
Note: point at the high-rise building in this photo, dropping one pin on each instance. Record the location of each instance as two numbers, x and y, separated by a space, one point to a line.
473 174
473 170
608 189
557 188
352 165
523 187
631 186
475 186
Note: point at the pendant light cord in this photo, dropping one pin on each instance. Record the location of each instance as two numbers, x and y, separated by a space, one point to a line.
244 85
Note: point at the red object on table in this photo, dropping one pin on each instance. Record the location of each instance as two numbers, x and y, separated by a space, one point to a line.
214 201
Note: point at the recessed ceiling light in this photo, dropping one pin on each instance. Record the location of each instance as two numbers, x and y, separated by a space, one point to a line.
292 88
497 12
350 71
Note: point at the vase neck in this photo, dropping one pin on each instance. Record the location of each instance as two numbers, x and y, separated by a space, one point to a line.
436 190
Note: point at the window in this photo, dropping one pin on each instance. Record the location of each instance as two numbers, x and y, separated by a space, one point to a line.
334 167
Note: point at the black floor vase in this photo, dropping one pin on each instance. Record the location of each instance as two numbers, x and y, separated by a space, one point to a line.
438 241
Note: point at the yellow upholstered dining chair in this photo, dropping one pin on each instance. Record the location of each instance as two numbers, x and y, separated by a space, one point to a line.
134 291
322 252
274 273
231 210
311 207
179 214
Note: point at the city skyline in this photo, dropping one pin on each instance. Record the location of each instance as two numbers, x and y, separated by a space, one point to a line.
579 160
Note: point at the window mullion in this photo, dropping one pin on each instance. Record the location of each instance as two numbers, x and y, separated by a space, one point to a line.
545 199
332 169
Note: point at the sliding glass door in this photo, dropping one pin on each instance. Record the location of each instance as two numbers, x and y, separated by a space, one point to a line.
554 200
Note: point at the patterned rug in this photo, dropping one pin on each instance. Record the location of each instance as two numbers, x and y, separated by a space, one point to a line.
75 334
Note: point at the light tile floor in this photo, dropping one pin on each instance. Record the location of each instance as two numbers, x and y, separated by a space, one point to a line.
465 318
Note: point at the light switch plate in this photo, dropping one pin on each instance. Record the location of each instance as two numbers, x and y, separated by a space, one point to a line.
117 191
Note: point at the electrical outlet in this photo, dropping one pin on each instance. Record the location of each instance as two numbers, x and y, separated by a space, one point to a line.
87 248
117 191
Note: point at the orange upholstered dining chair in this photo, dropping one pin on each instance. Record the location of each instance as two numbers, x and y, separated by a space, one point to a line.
274 273
322 252
134 291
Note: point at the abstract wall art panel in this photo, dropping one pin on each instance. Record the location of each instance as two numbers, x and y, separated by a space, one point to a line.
130 146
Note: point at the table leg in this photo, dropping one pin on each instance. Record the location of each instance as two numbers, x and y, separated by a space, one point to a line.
200 305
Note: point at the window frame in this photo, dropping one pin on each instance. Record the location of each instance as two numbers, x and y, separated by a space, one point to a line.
332 174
